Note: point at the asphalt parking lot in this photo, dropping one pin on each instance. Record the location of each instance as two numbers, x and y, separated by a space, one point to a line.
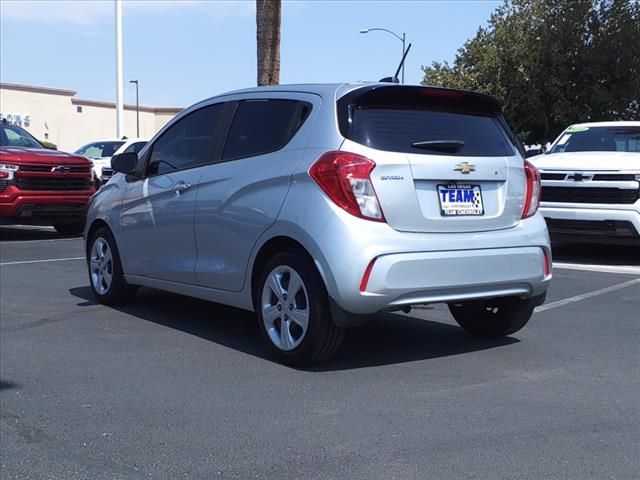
171 387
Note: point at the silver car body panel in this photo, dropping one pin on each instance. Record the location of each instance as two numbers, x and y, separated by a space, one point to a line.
234 208
238 200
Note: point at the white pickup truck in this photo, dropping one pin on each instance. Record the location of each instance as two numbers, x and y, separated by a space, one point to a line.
591 183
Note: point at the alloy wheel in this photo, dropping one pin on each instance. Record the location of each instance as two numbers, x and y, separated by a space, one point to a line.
285 307
101 265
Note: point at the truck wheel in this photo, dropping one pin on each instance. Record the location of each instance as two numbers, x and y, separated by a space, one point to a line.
496 317
105 270
293 311
69 228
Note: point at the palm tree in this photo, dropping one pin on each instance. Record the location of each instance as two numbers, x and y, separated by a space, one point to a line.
268 36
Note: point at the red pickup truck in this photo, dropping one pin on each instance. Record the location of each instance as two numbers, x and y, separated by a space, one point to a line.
40 186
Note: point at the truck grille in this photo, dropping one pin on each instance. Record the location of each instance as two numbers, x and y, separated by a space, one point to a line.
595 177
52 183
107 173
591 228
588 195
553 176
47 168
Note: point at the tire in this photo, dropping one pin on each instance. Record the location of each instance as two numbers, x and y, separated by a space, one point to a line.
103 262
304 346
69 228
492 318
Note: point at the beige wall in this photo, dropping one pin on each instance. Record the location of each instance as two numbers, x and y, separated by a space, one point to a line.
95 123
56 114
46 111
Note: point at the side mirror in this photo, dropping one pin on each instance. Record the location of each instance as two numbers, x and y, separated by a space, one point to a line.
126 163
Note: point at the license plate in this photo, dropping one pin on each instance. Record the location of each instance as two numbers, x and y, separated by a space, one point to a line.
460 200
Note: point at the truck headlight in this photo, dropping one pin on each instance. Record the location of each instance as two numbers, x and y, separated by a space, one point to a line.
7 171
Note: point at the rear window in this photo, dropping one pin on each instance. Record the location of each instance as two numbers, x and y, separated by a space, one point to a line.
425 120
263 126
397 130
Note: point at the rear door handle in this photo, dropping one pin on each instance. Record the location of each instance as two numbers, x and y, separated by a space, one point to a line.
181 187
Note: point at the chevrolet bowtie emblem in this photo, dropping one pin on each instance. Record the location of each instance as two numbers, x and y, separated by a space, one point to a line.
465 167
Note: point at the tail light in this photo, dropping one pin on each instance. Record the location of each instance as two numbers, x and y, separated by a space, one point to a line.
533 190
345 178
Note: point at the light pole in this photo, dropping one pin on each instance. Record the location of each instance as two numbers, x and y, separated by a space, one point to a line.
119 81
137 109
401 38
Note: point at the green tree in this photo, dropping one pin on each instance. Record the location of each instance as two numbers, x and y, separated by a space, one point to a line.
552 63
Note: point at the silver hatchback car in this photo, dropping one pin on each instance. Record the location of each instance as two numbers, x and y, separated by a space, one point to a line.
317 205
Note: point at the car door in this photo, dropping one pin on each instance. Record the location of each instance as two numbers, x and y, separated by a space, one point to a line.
157 214
240 196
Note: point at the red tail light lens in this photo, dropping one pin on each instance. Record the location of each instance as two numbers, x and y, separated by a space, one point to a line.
533 190
345 178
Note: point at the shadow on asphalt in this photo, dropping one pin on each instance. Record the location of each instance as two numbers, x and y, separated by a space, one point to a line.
386 339
596 254
17 234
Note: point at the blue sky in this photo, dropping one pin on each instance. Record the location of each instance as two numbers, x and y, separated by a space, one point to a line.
184 51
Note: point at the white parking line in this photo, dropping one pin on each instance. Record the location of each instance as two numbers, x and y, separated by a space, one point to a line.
22 262
584 296
624 269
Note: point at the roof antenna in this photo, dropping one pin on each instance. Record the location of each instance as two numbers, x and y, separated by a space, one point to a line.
395 79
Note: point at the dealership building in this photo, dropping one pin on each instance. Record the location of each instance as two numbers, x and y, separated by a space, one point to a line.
57 116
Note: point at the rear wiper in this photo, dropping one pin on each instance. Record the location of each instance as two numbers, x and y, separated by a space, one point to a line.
448 146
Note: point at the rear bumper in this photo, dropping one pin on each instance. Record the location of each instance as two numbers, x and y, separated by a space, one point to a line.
43 207
430 277
579 223
414 268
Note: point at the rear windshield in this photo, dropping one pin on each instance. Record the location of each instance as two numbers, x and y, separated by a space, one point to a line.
598 139
425 120
402 130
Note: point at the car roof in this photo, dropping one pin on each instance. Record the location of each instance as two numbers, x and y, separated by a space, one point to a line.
325 90
318 88
333 91
620 123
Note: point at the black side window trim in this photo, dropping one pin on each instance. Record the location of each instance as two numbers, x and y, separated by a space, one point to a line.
215 149
232 115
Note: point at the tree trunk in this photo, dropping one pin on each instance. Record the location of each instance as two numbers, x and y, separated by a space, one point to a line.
268 36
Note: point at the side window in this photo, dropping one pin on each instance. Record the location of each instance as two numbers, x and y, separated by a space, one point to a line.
188 142
263 126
